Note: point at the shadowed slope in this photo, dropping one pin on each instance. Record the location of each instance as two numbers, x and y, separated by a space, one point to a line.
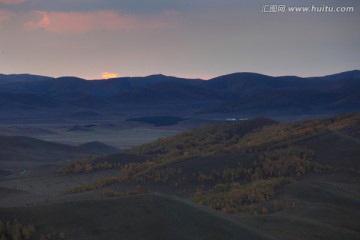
26 149
147 217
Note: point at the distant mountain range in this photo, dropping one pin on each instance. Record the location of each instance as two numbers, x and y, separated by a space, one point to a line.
248 93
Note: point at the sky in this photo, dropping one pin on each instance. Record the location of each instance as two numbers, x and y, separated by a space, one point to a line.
100 39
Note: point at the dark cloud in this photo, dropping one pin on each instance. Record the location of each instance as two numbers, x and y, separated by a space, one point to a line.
140 6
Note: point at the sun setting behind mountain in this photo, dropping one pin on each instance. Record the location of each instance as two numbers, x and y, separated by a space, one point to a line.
107 75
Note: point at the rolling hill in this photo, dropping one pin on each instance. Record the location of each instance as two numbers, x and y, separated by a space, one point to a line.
148 216
238 179
296 180
244 151
11 78
250 179
27 149
246 93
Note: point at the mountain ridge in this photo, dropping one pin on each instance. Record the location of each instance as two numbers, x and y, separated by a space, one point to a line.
237 92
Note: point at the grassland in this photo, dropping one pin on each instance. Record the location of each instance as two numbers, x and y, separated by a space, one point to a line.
148 216
256 179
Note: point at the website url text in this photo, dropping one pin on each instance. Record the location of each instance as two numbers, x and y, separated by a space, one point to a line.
305 9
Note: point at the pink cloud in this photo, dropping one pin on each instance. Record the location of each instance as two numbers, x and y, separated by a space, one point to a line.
11 2
42 23
80 22
4 15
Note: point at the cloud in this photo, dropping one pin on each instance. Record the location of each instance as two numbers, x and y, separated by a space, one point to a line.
42 23
12 2
82 22
4 15
107 75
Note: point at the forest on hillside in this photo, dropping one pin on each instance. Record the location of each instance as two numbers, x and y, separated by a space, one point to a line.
233 166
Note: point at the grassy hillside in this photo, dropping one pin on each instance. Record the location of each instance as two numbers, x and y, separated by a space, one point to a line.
295 180
146 216
202 141
244 152
327 206
27 149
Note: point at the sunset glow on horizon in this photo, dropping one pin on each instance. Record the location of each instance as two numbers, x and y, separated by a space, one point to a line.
107 75
201 39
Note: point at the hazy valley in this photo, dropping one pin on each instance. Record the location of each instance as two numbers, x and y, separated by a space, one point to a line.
240 156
